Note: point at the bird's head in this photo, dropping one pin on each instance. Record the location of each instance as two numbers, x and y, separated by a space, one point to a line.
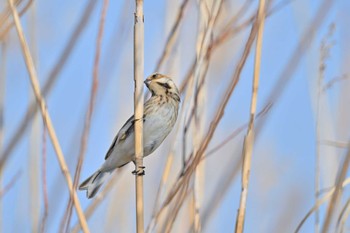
160 84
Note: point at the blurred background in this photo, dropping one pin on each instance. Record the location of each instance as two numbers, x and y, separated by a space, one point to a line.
302 131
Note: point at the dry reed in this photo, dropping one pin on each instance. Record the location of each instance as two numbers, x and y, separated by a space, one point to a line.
138 109
249 138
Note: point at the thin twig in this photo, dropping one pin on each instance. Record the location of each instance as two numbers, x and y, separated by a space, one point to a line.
8 186
3 47
333 81
207 21
325 52
45 114
234 134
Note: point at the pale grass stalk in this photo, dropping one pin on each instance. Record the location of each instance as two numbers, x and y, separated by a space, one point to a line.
2 107
46 117
205 30
34 141
319 202
199 180
90 110
324 51
138 109
249 139
49 84
335 143
44 185
317 155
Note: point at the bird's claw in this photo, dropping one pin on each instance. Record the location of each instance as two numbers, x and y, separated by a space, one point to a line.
140 171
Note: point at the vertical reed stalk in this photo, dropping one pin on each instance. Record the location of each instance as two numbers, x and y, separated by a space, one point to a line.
249 139
138 109
46 117
2 104
34 140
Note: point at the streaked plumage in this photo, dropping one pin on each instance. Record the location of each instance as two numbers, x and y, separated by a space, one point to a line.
160 114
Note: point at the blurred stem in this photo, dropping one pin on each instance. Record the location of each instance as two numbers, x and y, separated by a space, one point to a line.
2 107
46 117
249 139
44 180
34 155
318 138
138 109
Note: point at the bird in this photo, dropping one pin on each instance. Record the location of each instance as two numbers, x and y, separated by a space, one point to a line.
159 117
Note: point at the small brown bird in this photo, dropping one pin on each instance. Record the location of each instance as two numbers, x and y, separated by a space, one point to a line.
160 114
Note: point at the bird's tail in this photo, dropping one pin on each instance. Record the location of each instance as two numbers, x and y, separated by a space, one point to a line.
93 183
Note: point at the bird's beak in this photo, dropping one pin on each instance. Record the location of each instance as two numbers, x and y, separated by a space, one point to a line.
147 81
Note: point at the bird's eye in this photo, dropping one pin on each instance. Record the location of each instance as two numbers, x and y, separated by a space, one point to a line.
166 85
154 75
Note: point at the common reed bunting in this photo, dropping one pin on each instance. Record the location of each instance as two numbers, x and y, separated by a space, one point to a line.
160 114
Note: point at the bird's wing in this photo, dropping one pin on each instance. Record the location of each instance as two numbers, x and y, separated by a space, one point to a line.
124 132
